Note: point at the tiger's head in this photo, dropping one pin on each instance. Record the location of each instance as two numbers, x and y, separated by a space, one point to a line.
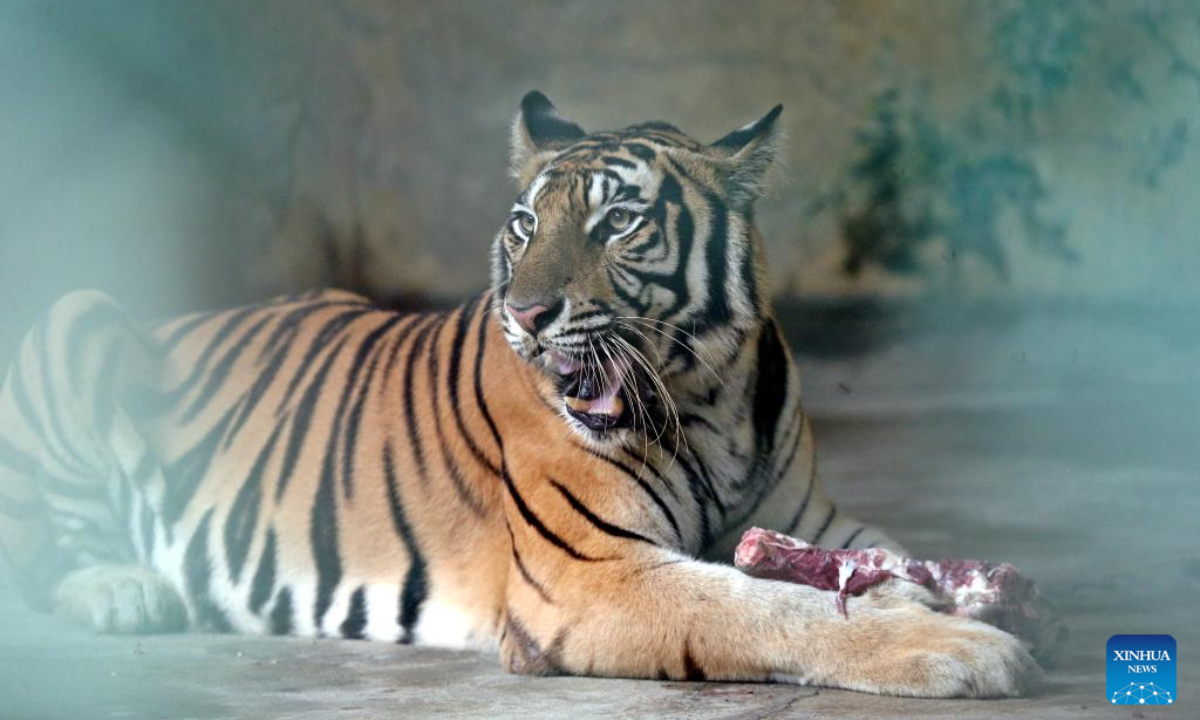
629 269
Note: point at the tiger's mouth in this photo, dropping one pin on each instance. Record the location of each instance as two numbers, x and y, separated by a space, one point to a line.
594 392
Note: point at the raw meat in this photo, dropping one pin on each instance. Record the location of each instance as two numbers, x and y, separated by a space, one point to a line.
995 593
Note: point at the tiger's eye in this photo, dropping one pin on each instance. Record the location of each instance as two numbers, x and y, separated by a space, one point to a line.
525 220
619 219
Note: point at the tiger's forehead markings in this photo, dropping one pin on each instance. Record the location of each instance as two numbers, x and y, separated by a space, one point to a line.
593 183
628 153
637 175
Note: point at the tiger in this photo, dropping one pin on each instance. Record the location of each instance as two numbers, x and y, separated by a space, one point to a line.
555 472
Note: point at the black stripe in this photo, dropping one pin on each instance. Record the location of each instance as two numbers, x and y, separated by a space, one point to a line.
531 658
242 520
302 419
453 374
264 576
185 474
671 193
415 584
533 520
51 407
645 486
449 463
589 314
415 442
646 465
717 311
356 414
637 252
764 489
691 669
598 522
323 533
220 372
356 617
281 621
251 398
197 569
698 476
330 331
853 536
390 364
688 419
96 317
357 365
641 151
200 366
524 571
629 297
825 525
710 486
698 498
479 399
795 522
618 162
797 442
770 387
289 326
401 337
186 326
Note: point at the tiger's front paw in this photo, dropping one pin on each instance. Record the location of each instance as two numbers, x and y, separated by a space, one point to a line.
908 649
121 600
955 657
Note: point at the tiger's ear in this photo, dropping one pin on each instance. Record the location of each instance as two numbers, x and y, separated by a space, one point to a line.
744 156
539 131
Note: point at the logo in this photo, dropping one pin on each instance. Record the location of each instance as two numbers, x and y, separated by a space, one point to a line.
1141 670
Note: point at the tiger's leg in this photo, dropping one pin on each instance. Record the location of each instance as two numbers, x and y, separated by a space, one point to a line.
74 473
657 614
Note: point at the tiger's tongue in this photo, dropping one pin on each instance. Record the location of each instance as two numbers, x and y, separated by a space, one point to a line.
595 396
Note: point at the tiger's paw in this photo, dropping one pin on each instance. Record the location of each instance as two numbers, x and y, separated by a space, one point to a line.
918 652
965 658
120 600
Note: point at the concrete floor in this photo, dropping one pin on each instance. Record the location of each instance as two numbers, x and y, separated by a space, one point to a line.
1093 492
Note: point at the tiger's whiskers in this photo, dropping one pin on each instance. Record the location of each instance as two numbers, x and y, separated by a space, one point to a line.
652 324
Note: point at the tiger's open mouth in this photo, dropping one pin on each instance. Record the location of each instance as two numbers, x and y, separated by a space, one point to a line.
594 393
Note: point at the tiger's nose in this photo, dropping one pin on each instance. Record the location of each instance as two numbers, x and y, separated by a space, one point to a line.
534 318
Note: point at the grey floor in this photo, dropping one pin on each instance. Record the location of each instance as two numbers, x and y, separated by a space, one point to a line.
1092 488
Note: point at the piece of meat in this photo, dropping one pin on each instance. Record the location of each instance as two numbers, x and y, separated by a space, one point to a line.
995 593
